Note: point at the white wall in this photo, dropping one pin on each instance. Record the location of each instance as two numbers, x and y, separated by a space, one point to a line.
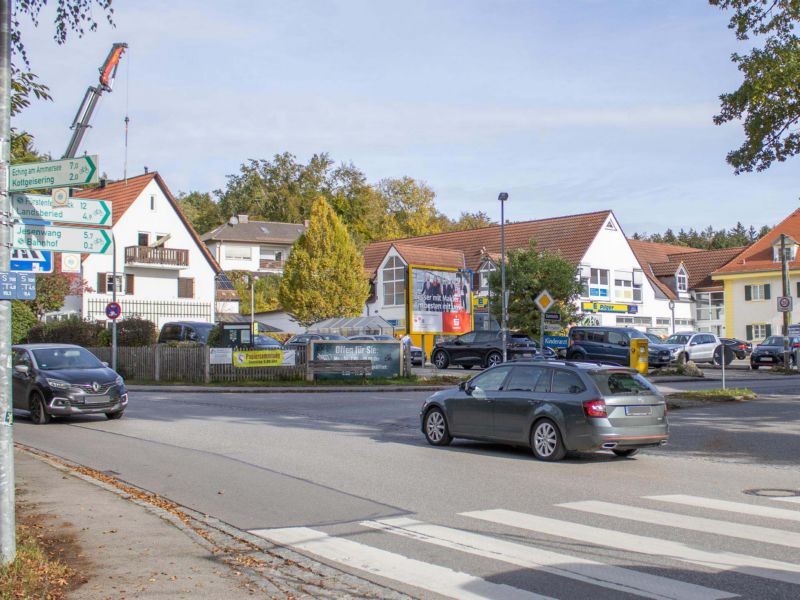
759 311
218 249
389 313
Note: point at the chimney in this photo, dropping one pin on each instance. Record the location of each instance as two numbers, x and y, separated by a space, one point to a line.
103 180
244 219
145 170
306 223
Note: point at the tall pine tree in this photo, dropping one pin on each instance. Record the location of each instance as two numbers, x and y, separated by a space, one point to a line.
324 274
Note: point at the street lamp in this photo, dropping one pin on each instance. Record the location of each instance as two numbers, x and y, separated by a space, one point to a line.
504 301
253 307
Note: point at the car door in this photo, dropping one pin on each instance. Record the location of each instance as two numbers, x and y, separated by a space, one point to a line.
21 382
566 391
704 350
471 412
515 402
617 347
460 348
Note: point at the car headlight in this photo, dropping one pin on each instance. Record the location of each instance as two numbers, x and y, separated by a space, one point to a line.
58 384
674 351
119 380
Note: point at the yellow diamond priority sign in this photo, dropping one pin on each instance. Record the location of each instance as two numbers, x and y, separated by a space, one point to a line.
544 301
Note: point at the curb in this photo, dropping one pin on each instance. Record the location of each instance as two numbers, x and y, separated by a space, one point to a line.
286 390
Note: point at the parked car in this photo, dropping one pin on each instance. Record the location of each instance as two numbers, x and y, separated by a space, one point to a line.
551 406
302 340
770 352
654 339
417 356
483 349
62 380
612 345
697 346
266 342
740 348
185 331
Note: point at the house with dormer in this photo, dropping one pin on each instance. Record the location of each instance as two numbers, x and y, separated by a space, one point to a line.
752 283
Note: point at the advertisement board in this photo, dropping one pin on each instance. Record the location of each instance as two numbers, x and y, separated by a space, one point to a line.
258 358
385 356
440 300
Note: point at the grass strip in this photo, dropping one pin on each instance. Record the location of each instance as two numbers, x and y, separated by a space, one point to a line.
716 395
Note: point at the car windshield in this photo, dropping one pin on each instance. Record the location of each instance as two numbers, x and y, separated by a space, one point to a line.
615 383
50 359
333 336
775 340
637 335
654 338
265 340
677 338
203 329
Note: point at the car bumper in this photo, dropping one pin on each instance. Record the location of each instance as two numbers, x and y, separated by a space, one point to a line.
596 437
61 406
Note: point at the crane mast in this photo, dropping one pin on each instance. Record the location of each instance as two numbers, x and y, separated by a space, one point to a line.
84 115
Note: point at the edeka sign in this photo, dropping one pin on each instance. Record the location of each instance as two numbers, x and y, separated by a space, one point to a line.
385 356
258 358
609 308
440 300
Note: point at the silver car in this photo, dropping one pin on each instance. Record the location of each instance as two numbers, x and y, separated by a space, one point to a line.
553 407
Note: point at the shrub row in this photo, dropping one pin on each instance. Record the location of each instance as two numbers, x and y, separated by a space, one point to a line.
133 331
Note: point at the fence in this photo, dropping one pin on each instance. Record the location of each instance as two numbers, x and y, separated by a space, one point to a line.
152 310
187 364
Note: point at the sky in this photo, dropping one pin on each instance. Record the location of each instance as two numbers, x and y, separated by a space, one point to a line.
569 107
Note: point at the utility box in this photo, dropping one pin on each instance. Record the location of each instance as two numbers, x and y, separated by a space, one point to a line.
639 354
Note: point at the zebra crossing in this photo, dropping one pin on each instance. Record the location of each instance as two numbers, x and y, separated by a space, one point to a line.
526 545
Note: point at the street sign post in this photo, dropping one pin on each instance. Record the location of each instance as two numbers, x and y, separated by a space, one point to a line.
553 327
552 317
784 304
31 261
53 174
17 286
113 310
61 239
543 301
25 207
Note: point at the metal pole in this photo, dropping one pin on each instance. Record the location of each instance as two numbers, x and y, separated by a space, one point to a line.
114 299
722 350
504 301
786 315
252 308
541 333
8 539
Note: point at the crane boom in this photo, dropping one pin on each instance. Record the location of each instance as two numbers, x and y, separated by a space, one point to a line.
84 115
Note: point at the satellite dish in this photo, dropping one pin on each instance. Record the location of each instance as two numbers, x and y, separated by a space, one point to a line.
233 221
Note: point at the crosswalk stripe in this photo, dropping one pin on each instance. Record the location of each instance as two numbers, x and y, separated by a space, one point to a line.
793 499
736 507
657 517
587 571
433 578
751 565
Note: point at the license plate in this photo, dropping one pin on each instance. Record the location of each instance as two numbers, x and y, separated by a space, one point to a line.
97 399
638 411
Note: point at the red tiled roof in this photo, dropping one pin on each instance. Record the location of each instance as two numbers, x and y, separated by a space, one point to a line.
652 253
758 257
570 235
700 265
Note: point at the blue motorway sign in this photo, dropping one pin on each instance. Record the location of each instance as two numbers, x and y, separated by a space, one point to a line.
17 286
26 260
556 341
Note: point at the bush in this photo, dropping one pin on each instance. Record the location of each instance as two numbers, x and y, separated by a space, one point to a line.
22 319
136 331
70 331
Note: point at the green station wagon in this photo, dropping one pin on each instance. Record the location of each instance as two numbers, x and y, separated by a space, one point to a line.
553 407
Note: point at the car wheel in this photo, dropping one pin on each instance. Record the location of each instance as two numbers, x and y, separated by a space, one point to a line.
546 441
494 358
436 430
440 359
682 359
39 415
114 416
627 453
754 367
741 356
467 367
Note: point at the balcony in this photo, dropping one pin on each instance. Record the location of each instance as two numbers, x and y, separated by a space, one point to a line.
159 258
271 265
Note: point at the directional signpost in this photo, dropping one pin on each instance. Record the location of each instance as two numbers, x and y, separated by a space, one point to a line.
53 174
26 207
61 239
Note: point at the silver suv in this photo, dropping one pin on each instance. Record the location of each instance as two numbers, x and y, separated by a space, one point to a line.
699 347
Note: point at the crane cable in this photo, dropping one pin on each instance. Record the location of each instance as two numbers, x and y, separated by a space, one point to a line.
127 104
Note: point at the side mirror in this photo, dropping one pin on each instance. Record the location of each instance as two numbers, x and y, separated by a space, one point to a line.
458 342
623 342
24 369
693 343
104 363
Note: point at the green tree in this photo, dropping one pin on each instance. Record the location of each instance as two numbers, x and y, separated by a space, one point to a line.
266 291
468 220
411 207
767 99
51 288
203 213
528 272
22 319
324 274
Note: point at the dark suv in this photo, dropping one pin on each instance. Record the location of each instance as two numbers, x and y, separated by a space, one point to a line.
770 352
483 349
185 331
612 345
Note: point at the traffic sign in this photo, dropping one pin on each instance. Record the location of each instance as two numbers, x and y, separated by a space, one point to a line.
544 301
24 260
556 341
25 207
17 286
113 310
61 239
552 317
53 174
553 327
784 304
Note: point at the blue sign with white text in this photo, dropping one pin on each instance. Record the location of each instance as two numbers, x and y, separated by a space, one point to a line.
556 341
27 260
17 286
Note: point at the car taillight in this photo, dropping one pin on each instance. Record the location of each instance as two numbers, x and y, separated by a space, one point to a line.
595 408
796 345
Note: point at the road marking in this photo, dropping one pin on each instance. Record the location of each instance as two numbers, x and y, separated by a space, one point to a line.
792 499
433 578
587 571
724 561
737 507
753 533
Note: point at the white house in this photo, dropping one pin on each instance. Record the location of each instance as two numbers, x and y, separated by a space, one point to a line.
163 270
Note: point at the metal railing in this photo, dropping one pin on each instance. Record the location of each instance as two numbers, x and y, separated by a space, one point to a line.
145 255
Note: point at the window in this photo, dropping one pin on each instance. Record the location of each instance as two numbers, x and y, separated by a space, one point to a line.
637 285
790 251
565 382
394 282
662 321
238 252
758 331
681 280
757 292
492 380
598 283
623 286
583 275
684 322
624 320
21 358
152 202
144 239
483 275
105 283
616 338
524 379
185 287
710 306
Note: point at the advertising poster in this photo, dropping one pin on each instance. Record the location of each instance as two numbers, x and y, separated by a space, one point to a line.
384 356
441 301
258 358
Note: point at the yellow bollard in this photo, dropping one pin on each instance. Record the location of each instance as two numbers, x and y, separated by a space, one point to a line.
639 355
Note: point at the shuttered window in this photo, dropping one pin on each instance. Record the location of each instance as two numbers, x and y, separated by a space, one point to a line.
129 286
185 287
757 292
102 283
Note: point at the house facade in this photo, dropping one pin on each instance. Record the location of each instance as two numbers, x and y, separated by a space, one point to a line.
162 270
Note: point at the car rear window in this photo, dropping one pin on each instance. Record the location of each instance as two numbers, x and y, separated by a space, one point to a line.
614 383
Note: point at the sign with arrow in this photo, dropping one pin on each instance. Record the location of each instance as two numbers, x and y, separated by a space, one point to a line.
26 207
52 174
61 239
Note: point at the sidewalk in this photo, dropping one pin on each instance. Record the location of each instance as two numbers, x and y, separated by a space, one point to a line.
124 547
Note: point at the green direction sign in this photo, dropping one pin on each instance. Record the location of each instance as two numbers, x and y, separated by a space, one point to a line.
51 174
61 239
76 210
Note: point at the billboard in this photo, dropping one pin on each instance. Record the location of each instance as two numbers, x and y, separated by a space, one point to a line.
440 300
385 356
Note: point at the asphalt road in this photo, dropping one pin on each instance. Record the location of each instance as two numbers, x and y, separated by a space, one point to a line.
347 478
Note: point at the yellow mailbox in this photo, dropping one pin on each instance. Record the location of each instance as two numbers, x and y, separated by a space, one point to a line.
639 352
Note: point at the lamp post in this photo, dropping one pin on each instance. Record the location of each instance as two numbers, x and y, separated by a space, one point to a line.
504 300
253 306
672 311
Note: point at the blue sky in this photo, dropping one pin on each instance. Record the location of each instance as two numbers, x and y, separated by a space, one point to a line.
570 106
